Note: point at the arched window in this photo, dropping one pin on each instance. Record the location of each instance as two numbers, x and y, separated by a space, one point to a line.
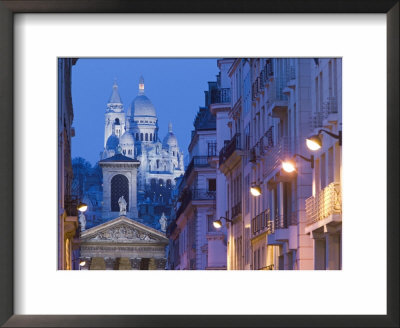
141 137
116 122
151 137
124 151
119 187
158 163
169 183
137 136
161 182
146 137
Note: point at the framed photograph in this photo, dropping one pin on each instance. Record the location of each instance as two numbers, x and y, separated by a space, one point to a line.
200 162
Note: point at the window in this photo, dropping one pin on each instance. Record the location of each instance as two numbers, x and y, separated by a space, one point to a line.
137 136
212 184
146 137
151 137
158 163
141 137
119 187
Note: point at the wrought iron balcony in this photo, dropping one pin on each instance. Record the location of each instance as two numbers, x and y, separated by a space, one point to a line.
236 210
202 194
325 204
197 161
71 204
229 148
220 96
261 223
330 105
274 155
194 194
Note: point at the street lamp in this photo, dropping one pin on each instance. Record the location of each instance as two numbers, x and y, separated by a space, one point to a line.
82 263
289 165
82 207
255 190
314 142
218 223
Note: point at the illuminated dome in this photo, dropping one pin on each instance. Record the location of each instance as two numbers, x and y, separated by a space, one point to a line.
170 139
112 142
127 139
141 105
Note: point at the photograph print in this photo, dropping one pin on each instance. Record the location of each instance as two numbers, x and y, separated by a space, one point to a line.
199 164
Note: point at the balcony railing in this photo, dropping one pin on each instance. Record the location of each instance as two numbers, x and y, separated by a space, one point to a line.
71 204
276 154
197 161
268 267
221 95
229 148
201 194
326 203
330 105
261 222
194 194
236 210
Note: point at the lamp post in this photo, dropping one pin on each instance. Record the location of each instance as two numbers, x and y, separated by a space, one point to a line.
314 142
218 223
289 166
81 262
255 190
82 207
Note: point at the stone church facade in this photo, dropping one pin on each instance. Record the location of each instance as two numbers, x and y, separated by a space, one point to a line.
123 244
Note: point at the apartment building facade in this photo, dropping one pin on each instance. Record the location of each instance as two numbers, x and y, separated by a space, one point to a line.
324 206
272 113
195 244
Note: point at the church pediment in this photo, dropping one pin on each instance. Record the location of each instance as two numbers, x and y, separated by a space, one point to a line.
123 230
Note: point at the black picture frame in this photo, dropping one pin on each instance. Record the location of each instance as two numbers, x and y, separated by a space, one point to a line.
10 7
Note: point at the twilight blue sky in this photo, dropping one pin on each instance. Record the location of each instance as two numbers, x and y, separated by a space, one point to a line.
175 87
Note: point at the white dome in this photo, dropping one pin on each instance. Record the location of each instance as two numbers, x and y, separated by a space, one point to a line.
170 139
142 106
127 139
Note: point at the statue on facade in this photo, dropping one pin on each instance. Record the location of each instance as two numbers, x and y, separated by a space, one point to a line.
82 221
122 205
163 222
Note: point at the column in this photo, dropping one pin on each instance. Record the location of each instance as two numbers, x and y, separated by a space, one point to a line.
332 251
133 200
110 263
135 263
160 263
319 254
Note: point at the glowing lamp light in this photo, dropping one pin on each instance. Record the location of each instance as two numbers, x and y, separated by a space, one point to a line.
255 191
289 166
82 263
82 207
217 224
314 142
